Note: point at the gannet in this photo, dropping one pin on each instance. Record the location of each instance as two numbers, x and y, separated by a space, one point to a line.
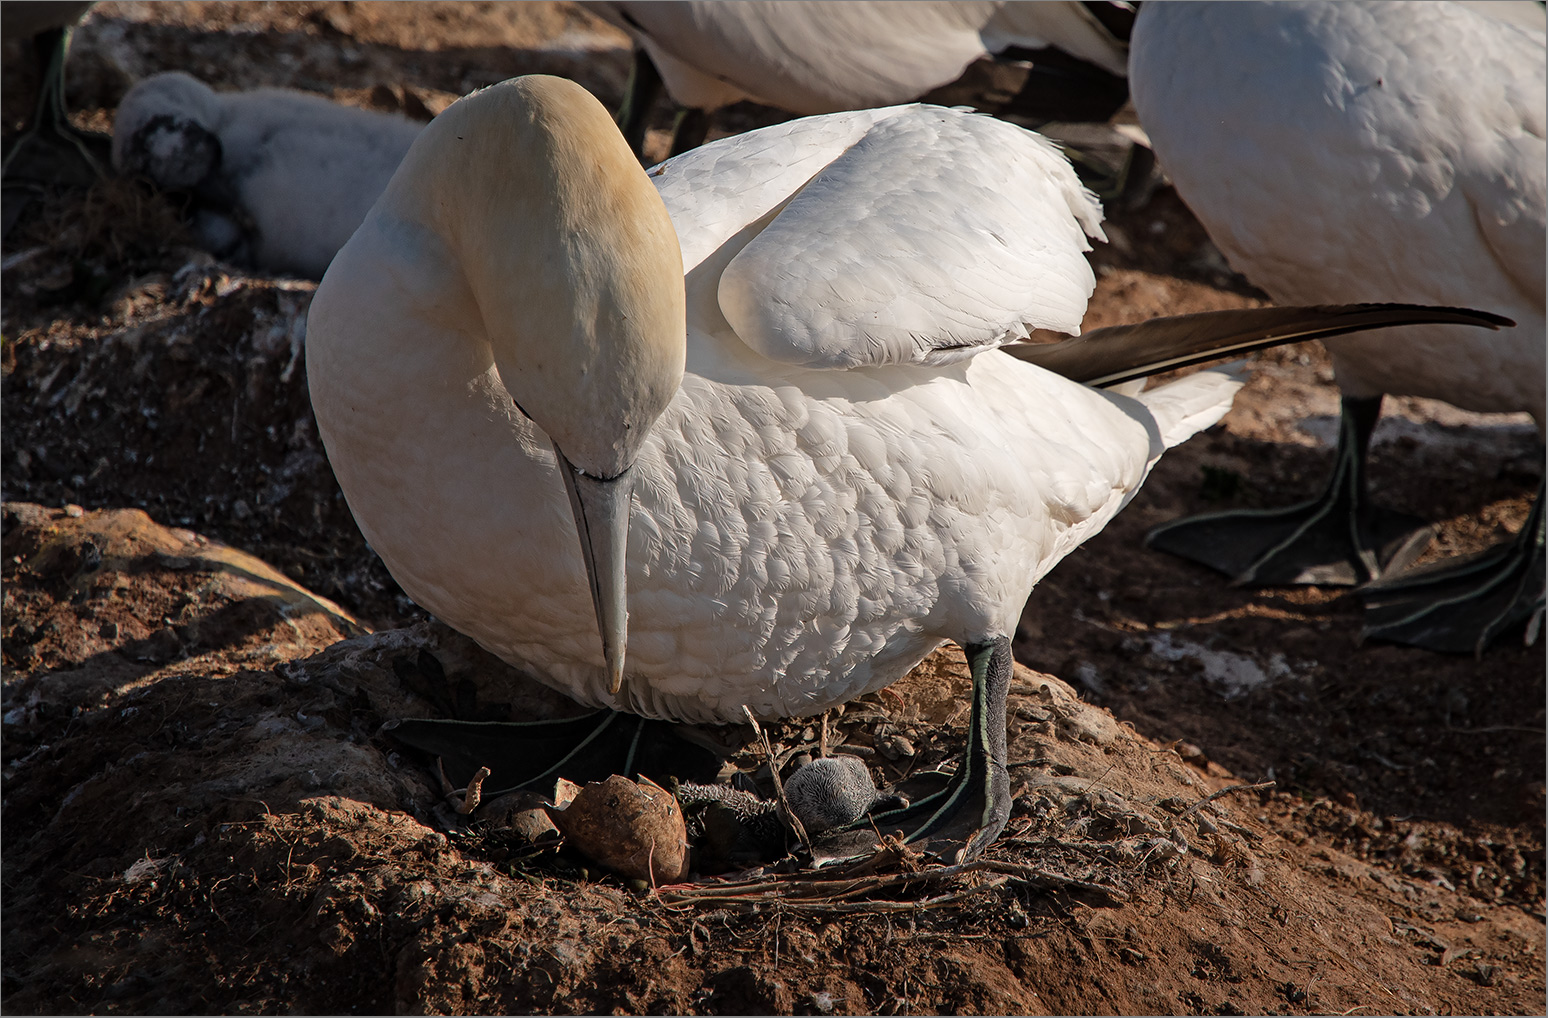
759 381
824 56
1382 151
281 178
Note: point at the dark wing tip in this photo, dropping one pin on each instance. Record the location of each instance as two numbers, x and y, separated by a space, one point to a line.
1121 353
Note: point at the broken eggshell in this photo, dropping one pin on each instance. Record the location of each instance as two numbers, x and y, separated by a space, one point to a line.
635 830
522 815
519 816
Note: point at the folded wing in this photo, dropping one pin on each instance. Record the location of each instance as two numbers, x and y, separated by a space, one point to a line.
912 235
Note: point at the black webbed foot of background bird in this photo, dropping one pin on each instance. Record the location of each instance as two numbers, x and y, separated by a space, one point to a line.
52 150
1461 605
1336 539
532 754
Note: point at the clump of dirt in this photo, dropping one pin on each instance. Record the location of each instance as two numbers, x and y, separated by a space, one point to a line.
204 814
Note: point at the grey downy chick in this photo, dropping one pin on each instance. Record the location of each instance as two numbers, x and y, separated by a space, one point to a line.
831 792
280 179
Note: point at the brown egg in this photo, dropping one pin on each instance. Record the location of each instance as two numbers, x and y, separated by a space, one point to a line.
636 830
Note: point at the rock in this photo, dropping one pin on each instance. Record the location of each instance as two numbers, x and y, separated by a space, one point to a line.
98 600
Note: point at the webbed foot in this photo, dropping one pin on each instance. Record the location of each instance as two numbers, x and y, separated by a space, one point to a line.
1460 605
51 149
528 754
1336 539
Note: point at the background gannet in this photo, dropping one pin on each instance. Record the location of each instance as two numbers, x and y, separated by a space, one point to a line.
280 178
824 56
831 470
1382 151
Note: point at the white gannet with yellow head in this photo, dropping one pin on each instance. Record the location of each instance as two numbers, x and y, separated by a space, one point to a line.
795 459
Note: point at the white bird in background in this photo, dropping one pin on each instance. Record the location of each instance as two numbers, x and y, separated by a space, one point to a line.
765 389
280 178
824 56
1381 151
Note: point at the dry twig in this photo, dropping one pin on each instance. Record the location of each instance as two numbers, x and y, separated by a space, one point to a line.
839 894
1223 792
779 786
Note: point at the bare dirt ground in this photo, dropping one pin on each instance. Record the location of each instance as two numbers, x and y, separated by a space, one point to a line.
202 813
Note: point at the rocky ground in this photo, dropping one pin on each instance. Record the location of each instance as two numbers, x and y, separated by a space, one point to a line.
203 813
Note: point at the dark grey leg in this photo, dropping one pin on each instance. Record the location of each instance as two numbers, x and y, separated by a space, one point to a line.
640 96
966 817
689 132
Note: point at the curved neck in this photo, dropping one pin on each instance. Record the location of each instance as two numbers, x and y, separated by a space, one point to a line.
569 253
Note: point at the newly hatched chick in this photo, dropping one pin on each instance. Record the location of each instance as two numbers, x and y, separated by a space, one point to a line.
735 827
279 179
830 792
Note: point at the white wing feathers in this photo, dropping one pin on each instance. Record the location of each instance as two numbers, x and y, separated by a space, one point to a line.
715 190
924 236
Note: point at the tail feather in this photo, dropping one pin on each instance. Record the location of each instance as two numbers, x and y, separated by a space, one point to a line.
1186 406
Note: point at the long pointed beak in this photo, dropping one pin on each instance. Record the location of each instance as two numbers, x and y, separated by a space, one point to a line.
602 520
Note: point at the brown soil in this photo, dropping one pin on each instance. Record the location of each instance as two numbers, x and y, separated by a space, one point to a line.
203 814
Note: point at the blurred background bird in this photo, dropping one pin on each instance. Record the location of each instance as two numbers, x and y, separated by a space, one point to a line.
1381 151
274 178
1045 61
